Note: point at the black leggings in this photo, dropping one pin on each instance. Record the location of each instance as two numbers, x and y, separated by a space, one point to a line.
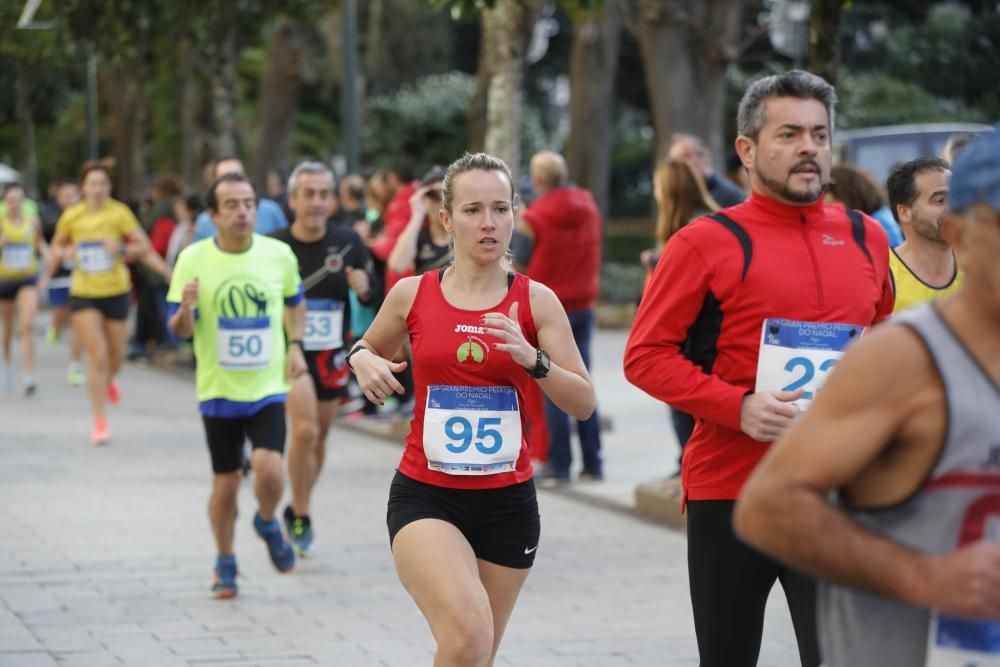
730 582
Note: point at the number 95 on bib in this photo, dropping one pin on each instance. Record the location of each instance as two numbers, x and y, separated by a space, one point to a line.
471 430
800 355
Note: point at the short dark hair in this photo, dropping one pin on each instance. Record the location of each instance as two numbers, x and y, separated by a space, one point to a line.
193 204
856 188
752 114
403 169
902 183
211 201
224 158
13 186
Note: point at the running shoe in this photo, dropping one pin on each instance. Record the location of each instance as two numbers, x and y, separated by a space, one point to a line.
29 385
114 392
300 532
52 336
75 376
281 552
100 433
224 584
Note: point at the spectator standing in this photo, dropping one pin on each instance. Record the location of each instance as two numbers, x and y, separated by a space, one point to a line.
564 224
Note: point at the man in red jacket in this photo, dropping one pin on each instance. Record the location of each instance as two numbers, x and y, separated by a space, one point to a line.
565 224
747 311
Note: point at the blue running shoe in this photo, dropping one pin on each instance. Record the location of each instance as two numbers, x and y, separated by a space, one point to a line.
281 552
300 532
224 586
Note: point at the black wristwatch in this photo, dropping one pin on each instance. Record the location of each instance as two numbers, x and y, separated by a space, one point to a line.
354 350
297 341
542 364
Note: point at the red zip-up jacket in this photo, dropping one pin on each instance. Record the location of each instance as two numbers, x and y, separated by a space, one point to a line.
710 293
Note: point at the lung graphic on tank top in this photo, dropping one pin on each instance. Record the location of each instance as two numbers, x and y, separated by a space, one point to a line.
244 340
473 352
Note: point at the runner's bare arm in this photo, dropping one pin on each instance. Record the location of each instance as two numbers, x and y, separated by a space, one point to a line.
783 508
40 245
385 335
295 326
61 243
404 253
138 247
568 383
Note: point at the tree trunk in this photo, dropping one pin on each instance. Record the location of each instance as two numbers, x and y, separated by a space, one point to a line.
121 89
824 39
224 81
686 47
375 56
475 111
278 102
187 102
593 65
26 121
507 26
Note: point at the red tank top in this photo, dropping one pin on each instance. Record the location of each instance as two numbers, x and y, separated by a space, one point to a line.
452 360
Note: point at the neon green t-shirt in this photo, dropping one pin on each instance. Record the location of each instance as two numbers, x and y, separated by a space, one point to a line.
29 209
239 337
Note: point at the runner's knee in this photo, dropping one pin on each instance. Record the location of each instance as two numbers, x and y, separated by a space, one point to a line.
467 638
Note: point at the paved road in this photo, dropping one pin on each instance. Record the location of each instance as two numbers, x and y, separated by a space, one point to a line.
105 557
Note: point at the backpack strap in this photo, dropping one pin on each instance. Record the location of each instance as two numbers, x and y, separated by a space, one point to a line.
858 232
741 235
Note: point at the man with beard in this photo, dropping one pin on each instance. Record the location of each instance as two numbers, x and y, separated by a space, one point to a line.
923 267
773 290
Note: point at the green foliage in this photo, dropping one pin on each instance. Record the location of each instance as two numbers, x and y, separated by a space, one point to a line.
316 135
871 100
425 121
631 158
465 9
951 56
621 283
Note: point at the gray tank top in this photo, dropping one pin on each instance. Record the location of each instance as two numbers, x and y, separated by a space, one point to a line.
858 628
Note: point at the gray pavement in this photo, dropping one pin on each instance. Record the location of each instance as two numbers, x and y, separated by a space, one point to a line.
106 556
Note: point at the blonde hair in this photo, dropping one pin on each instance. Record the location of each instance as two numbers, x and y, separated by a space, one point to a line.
473 162
683 194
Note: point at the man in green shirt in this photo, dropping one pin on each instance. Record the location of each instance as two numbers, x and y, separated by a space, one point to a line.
239 295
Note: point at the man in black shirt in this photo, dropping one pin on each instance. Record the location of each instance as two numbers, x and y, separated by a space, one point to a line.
332 260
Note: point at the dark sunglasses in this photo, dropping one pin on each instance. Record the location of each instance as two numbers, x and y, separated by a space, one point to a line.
433 194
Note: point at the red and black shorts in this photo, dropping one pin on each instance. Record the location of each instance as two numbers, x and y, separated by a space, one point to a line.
329 372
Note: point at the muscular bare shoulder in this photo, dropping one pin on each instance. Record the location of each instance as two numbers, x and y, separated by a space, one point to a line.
400 298
544 302
881 405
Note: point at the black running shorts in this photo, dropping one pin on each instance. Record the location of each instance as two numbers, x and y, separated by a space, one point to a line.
502 525
265 429
329 373
111 307
9 289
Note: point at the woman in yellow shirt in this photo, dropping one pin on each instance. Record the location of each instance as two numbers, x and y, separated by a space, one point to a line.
21 242
102 235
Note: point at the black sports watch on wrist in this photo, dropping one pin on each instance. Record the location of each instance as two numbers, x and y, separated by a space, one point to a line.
542 365
296 341
354 350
